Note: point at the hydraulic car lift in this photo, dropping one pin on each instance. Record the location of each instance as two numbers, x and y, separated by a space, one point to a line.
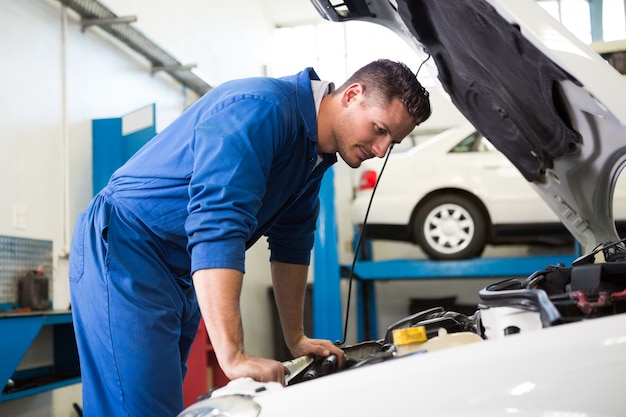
327 305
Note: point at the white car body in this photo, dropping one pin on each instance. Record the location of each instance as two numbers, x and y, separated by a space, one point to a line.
512 209
557 111
539 374
412 175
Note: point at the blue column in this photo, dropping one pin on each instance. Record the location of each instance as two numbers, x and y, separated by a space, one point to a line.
327 315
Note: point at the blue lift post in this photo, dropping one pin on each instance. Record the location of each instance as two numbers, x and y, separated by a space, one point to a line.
326 286
327 317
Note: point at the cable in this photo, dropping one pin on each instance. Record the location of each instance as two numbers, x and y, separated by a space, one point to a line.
361 233
358 246
422 64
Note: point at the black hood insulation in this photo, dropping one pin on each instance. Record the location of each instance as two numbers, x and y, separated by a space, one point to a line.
500 81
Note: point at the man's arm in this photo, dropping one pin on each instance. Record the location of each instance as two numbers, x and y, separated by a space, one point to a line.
218 292
289 281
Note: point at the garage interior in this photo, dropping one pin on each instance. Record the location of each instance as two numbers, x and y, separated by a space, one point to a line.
74 67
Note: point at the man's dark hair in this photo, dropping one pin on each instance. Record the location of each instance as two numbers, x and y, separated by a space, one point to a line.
384 80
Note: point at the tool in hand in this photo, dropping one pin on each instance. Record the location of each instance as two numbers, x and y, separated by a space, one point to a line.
297 366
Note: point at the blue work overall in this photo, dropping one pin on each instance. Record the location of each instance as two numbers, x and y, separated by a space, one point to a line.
241 163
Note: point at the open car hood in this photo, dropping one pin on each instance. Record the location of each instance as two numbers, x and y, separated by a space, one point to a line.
546 100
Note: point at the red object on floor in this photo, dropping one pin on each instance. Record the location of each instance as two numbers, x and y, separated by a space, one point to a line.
203 371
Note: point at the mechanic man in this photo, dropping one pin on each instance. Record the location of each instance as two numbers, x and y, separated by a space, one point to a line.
169 233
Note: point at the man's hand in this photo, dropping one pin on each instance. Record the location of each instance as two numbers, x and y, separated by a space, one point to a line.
318 347
267 370
259 369
218 292
289 282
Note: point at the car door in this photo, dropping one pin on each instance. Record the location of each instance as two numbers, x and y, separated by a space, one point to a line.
509 198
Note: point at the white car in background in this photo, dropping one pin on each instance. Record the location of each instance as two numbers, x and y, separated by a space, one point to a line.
552 345
452 195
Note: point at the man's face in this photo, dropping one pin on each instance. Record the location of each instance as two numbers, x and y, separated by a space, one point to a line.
365 130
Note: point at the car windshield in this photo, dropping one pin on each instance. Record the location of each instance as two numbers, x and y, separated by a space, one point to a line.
472 143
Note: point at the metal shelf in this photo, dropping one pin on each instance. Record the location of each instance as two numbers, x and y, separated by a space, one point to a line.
19 330
401 269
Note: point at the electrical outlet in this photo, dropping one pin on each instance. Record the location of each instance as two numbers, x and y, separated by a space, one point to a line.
20 216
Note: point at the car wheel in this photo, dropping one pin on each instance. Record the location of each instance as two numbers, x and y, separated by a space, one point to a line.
450 227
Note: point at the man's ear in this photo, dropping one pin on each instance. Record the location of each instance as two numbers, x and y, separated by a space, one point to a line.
351 93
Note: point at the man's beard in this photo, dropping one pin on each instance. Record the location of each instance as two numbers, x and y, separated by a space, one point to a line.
341 132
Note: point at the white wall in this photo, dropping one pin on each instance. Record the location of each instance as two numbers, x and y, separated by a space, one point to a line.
55 80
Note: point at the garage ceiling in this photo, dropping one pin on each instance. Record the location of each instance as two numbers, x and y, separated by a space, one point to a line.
94 12
289 12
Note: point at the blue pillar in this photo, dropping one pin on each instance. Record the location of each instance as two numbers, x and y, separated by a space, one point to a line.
327 315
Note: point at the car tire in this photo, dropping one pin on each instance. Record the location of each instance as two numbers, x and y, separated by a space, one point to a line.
450 226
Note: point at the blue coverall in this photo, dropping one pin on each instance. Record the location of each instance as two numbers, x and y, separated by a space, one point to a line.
242 162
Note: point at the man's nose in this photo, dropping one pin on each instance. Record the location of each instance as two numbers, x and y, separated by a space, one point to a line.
381 146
